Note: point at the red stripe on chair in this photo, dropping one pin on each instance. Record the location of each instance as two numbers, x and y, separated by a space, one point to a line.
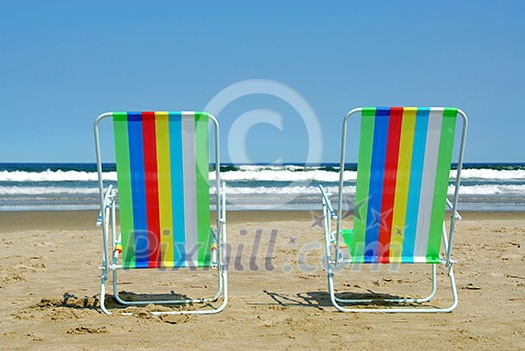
152 190
389 184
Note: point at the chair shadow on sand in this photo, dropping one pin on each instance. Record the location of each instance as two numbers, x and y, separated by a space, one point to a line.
321 299
70 301
93 302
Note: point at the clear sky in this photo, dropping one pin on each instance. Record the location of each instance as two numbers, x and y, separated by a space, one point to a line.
64 62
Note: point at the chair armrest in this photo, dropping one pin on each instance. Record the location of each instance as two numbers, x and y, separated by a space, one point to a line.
327 202
109 197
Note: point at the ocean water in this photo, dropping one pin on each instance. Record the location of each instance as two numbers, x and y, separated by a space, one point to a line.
37 186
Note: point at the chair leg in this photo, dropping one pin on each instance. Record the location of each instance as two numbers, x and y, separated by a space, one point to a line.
415 300
222 290
434 287
222 280
454 289
103 292
337 301
165 301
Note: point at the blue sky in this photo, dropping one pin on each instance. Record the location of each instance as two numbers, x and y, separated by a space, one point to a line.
64 62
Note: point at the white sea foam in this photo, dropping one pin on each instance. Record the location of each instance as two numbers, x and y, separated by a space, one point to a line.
326 176
286 176
282 191
261 190
490 174
248 186
487 190
254 173
53 176
480 190
43 190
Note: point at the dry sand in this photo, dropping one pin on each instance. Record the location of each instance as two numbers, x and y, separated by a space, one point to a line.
49 286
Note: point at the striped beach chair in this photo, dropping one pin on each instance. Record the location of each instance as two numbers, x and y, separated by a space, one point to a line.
404 162
162 161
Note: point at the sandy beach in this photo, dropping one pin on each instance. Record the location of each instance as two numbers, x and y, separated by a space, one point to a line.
49 284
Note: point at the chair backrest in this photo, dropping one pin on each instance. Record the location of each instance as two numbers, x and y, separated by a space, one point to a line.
163 188
404 163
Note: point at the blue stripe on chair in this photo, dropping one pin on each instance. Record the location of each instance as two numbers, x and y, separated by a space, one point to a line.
138 189
373 219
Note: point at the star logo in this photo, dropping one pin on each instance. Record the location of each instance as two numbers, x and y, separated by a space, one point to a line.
358 209
318 220
380 219
398 231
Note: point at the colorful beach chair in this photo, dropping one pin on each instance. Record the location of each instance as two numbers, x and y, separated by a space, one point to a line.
404 163
162 161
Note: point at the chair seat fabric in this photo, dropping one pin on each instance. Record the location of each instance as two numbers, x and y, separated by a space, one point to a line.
402 181
163 189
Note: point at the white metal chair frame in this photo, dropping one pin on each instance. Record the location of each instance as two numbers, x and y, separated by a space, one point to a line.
108 221
336 262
